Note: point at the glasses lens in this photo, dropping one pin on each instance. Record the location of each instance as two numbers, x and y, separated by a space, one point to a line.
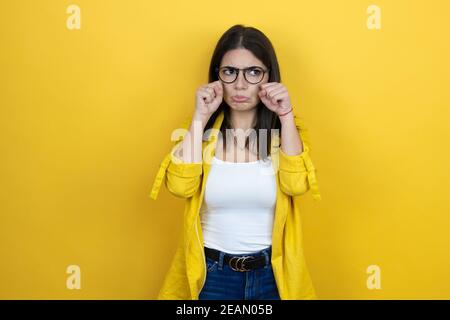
254 75
227 74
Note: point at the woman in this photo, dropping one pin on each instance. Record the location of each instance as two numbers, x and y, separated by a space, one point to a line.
242 233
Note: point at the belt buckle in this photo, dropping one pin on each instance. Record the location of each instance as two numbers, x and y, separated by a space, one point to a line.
236 266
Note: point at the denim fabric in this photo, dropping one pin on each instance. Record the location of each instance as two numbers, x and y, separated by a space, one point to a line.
223 283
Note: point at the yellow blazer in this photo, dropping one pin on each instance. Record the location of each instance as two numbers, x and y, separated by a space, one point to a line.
295 175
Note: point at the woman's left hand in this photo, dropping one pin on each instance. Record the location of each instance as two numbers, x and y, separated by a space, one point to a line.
275 97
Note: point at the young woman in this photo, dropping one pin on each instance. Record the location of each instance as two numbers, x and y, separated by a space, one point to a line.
242 233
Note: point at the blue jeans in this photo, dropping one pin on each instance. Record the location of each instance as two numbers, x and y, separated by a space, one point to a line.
223 283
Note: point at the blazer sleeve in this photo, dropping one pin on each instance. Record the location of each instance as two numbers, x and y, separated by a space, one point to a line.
297 173
181 179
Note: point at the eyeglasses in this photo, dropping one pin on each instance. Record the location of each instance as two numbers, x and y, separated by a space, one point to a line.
252 74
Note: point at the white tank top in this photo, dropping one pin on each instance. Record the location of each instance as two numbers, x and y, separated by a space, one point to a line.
238 207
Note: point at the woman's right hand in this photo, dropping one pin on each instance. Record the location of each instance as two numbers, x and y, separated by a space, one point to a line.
208 98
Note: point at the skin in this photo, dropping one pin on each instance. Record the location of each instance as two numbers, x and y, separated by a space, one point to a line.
274 96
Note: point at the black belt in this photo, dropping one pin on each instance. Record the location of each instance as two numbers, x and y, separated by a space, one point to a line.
238 263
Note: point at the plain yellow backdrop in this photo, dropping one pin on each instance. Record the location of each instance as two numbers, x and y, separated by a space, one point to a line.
86 117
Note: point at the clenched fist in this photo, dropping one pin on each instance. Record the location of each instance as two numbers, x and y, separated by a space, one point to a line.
275 97
208 98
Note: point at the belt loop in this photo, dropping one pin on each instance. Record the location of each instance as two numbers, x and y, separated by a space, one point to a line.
221 256
266 255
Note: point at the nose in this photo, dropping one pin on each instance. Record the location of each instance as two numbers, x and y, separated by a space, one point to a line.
240 82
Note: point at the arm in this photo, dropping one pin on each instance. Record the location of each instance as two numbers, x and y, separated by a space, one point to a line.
291 144
190 151
185 168
181 169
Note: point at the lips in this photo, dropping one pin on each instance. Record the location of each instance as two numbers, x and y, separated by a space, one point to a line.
239 98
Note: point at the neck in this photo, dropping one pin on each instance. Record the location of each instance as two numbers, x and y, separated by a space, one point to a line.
243 119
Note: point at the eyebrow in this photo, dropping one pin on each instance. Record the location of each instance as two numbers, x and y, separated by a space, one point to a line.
242 68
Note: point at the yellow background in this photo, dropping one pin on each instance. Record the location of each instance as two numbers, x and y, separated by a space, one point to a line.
86 117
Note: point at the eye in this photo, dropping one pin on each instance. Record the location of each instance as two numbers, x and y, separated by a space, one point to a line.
228 71
255 71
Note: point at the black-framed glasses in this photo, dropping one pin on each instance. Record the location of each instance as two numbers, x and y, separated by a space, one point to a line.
253 74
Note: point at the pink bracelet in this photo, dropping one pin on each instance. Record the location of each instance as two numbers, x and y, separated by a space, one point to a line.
280 115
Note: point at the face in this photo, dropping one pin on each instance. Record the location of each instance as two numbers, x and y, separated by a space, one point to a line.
242 58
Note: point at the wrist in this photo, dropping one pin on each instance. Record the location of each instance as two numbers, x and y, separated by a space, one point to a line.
198 117
201 116
286 115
